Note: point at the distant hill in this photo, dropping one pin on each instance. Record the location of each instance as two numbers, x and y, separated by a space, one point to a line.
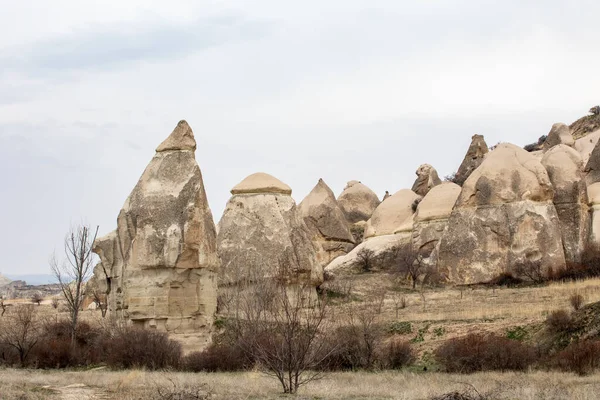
33 279
4 280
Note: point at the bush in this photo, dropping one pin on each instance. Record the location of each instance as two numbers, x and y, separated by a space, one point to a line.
218 357
559 321
505 279
478 352
137 347
352 347
582 357
396 354
366 259
400 327
576 301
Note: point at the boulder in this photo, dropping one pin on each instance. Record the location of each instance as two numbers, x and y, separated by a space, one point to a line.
473 159
262 236
393 215
585 145
559 134
327 223
564 165
162 259
427 178
358 202
503 221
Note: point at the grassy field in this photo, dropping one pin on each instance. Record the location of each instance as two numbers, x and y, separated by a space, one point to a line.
129 385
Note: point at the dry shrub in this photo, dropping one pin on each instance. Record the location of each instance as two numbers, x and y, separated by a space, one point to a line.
470 393
396 354
478 352
559 321
506 279
582 357
131 347
576 301
589 267
218 357
351 347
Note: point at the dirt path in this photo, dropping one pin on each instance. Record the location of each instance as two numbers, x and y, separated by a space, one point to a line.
79 391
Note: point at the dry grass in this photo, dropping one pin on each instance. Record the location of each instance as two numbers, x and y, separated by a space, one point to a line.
129 385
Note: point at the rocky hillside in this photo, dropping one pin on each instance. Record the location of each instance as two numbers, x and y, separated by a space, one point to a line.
4 280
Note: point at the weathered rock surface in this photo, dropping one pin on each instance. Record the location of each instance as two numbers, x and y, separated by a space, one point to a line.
261 183
585 145
564 165
593 192
427 178
162 259
327 223
504 218
559 134
393 215
473 159
358 202
262 235
431 217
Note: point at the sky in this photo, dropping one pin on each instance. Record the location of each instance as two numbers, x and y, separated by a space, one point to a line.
339 89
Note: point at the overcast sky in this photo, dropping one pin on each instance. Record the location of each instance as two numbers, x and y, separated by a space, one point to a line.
336 89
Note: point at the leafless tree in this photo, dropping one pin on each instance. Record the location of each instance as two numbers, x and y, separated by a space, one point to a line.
364 329
366 259
399 303
3 306
282 329
21 330
72 272
531 270
411 264
100 301
55 302
37 298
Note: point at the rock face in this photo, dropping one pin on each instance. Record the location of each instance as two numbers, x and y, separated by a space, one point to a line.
427 178
503 220
261 232
162 261
431 218
473 159
358 202
393 215
327 223
564 166
559 134
593 192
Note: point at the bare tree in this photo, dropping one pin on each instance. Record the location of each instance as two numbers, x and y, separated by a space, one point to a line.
21 330
100 301
3 306
399 303
532 270
366 259
411 264
37 298
55 302
77 267
282 330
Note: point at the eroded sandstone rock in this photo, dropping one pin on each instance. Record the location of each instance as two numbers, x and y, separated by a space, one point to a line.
427 178
503 219
393 215
162 259
559 134
473 159
358 202
327 223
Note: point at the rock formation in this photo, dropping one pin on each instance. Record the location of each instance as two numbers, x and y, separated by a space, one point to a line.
427 178
262 235
393 215
564 166
162 261
431 217
473 159
358 202
503 221
327 223
559 134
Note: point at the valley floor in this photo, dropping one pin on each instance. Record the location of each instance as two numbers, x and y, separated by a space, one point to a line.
135 384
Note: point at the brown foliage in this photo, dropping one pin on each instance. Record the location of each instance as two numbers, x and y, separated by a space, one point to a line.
478 352
576 301
396 354
582 357
559 321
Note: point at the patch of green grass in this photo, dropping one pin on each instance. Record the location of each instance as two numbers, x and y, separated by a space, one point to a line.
439 331
517 333
420 335
400 327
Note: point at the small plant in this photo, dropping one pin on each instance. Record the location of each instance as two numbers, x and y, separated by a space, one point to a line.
397 354
366 259
576 301
439 331
55 302
517 333
37 298
400 327
559 321
420 337
582 357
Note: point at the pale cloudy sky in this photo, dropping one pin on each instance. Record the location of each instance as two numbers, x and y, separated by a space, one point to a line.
337 89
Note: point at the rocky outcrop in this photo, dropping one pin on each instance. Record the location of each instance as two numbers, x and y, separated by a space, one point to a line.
559 134
427 178
431 218
585 125
473 159
593 193
262 235
357 202
327 223
564 166
503 221
393 215
162 259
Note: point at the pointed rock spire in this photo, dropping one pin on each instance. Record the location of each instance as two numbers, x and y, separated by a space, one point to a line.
182 138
